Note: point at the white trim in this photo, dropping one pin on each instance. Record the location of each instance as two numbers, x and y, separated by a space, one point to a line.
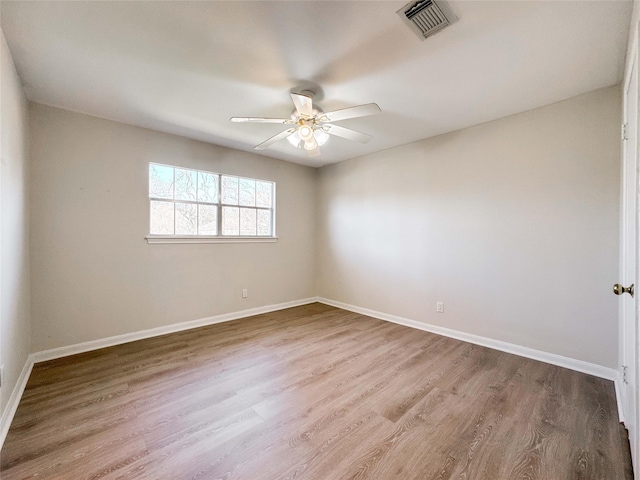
157 239
552 358
60 352
618 384
14 400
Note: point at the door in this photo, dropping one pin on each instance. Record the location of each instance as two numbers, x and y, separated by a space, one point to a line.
629 257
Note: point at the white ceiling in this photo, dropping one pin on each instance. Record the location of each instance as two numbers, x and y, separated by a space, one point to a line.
186 67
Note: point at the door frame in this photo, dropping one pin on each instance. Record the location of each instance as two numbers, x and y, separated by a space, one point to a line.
627 414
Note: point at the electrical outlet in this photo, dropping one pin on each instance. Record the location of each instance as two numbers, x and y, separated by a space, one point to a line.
245 293
440 307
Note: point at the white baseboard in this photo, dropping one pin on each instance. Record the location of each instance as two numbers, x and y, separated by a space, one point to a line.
566 362
60 352
14 399
618 384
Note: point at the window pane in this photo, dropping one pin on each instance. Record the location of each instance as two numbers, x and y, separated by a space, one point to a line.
160 181
247 221
264 222
187 202
230 220
186 218
207 220
247 192
161 218
230 190
185 184
207 187
264 193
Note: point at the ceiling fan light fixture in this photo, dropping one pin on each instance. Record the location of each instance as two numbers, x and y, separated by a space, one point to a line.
311 127
294 139
305 132
321 136
311 144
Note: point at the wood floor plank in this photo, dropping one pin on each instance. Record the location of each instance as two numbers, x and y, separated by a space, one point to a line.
312 393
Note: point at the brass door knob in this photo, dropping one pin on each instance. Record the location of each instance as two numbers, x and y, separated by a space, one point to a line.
619 289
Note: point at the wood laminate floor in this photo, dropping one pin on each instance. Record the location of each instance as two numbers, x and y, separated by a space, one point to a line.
312 393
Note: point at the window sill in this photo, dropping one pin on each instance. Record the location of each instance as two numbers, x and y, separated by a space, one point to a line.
157 239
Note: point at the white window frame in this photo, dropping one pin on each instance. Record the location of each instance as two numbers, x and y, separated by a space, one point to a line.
220 238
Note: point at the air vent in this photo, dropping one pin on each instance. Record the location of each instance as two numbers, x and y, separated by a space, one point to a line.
427 17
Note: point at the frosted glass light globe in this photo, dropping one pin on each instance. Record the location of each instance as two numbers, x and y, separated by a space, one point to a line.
305 132
311 144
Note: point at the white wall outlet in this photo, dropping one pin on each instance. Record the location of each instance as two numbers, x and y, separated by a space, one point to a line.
440 307
245 293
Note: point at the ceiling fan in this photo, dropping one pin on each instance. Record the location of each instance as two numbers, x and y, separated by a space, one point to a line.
310 127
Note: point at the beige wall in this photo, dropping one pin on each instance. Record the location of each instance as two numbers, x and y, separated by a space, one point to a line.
95 276
513 224
14 224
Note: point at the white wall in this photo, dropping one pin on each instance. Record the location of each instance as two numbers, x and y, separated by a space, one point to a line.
513 224
95 276
14 224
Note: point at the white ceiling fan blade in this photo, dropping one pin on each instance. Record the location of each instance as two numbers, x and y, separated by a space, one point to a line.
283 121
347 133
275 138
351 112
304 104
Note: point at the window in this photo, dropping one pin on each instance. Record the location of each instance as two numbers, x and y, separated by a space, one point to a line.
195 203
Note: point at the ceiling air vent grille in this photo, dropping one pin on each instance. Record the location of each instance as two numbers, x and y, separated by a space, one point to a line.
427 17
